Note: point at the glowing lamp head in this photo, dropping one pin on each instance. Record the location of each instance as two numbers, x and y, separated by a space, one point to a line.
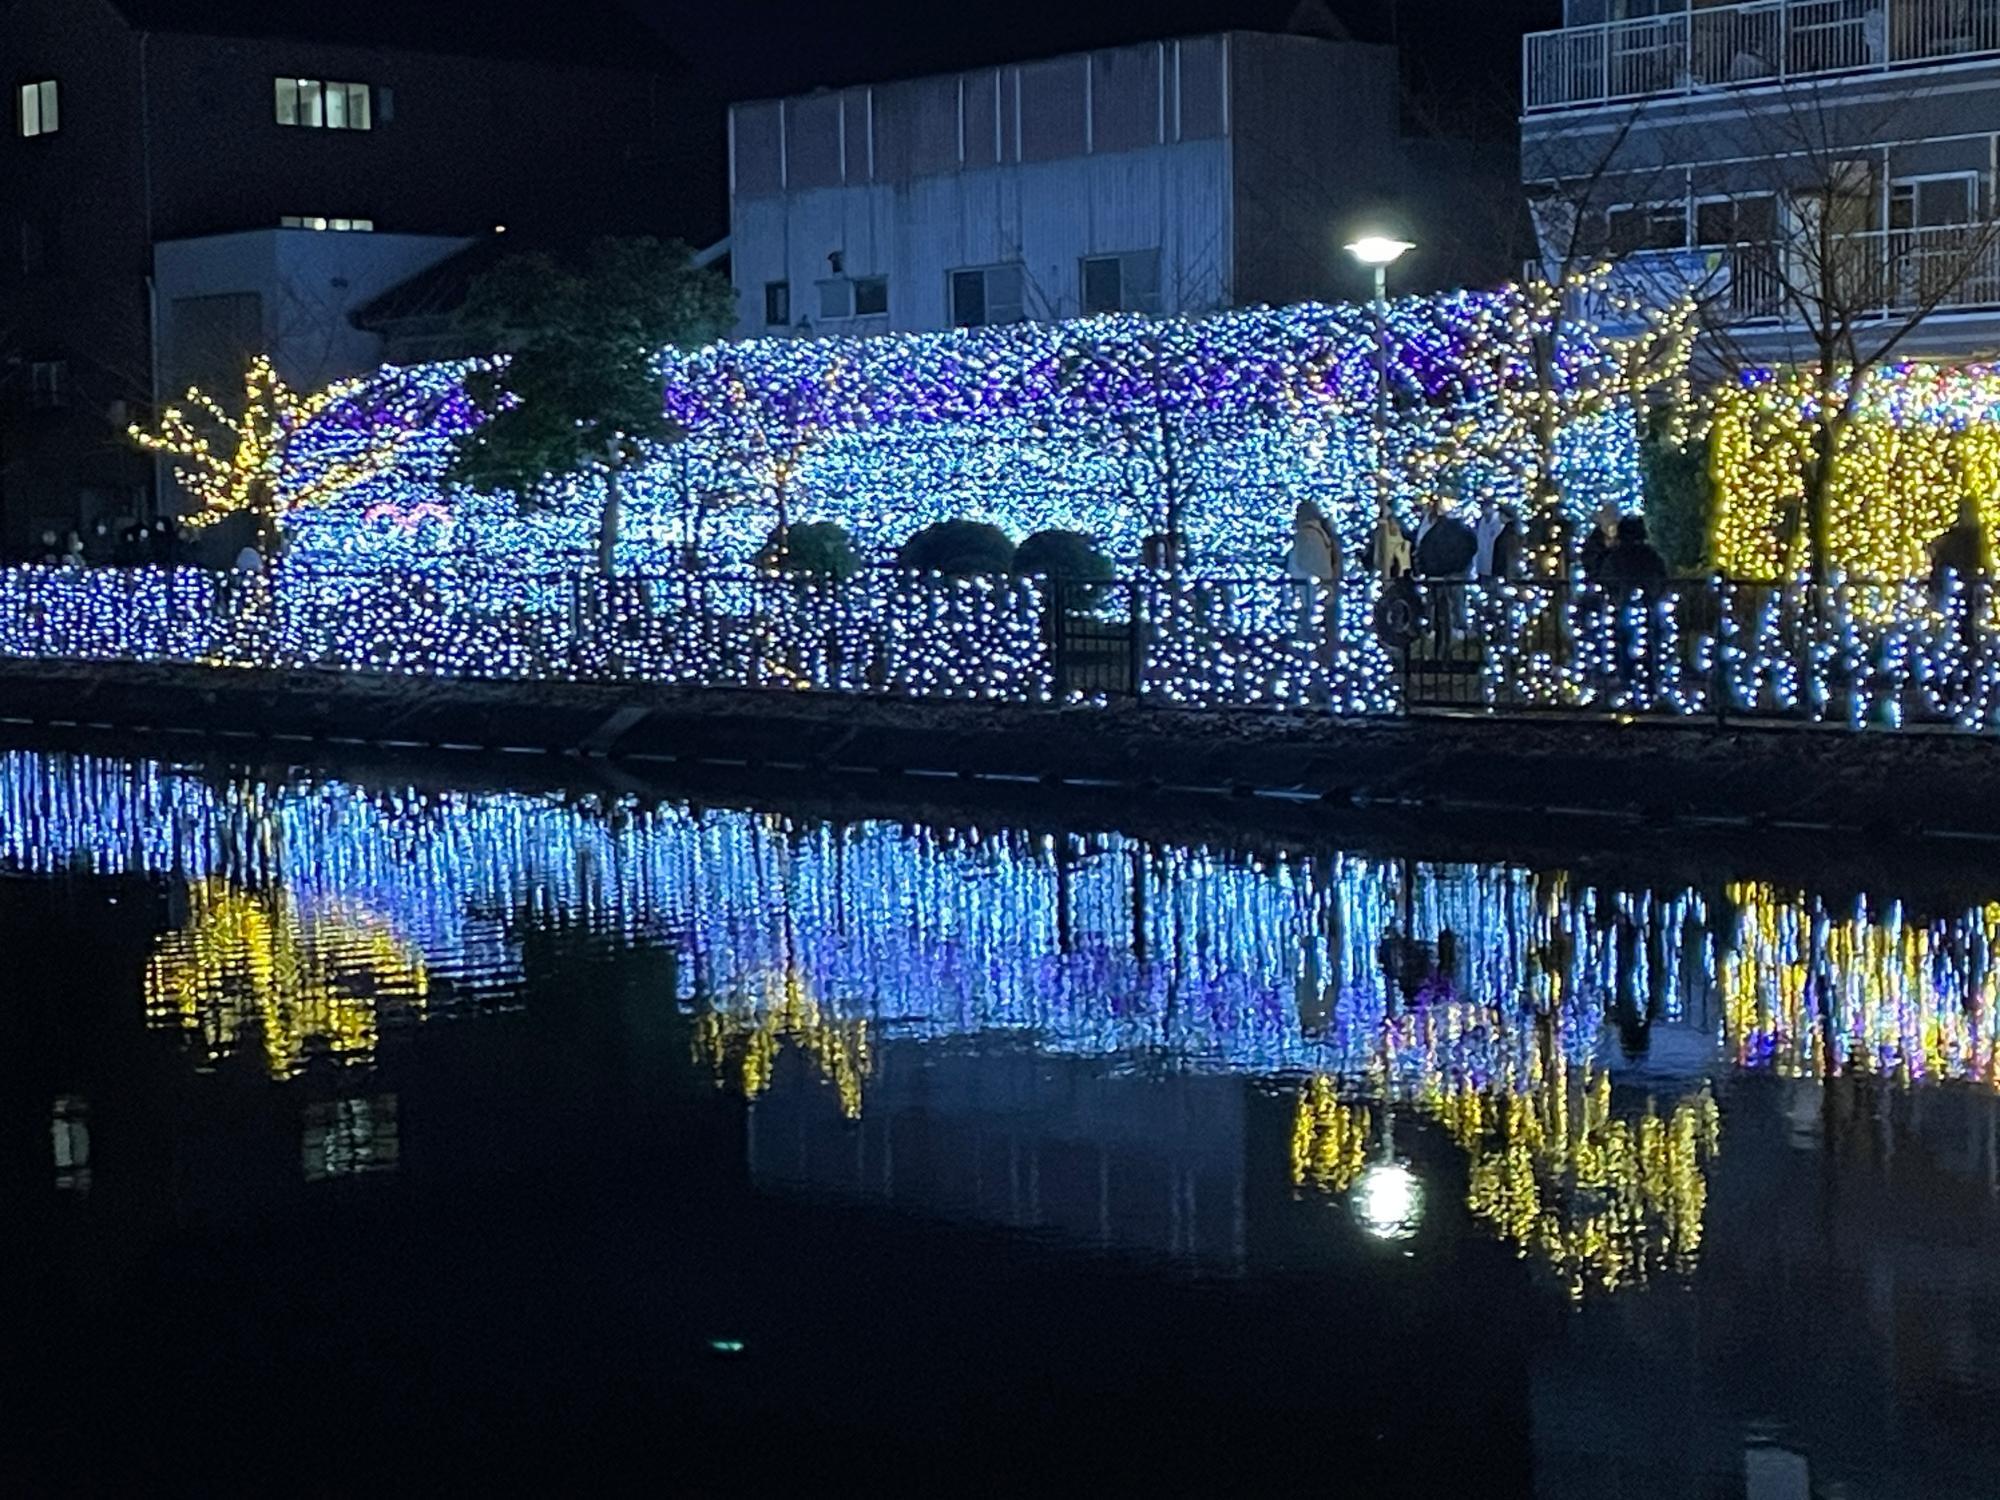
1389 1201
1378 249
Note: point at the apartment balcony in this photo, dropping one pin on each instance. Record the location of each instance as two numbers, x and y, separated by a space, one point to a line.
1715 47
1877 274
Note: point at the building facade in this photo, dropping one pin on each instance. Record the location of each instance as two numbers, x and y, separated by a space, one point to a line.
166 164
1169 177
1819 173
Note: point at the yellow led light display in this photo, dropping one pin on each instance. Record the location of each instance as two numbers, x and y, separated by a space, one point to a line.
252 964
1921 439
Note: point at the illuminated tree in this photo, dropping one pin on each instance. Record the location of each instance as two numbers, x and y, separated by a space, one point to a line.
1851 289
761 417
1152 392
1572 371
749 1030
577 399
239 462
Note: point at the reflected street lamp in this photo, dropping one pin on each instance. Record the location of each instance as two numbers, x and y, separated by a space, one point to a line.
1389 1197
1379 252
1389 1201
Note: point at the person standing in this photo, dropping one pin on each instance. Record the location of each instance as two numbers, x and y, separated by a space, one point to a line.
1959 552
1446 548
1597 546
1312 564
1633 576
1388 548
1499 543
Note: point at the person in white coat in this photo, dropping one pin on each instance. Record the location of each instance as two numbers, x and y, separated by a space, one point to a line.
1388 548
1313 564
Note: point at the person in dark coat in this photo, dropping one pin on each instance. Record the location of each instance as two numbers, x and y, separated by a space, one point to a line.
1632 563
1631 567
1960 552
1597 546
1445 550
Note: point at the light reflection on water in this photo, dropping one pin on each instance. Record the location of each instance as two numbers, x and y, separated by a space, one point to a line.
1104 1041
1494 1001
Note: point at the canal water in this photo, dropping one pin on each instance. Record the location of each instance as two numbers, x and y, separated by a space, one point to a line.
359 1132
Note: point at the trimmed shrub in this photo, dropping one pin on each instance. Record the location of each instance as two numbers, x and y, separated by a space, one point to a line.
1069 555
822 548
961 548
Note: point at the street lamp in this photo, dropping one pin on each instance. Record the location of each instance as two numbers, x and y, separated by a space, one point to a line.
1379 252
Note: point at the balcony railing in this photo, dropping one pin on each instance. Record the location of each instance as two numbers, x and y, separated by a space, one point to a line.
1895 272
1765 41
1913 270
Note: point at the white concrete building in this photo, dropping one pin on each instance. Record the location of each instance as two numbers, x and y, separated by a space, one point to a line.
1169 177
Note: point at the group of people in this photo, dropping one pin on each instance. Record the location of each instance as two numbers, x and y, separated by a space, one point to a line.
129 544
1443 546
1615 555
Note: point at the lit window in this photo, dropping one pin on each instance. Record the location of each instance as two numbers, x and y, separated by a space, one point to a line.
314 221
777 304
986 296
1122 283
48 383
347 1137
69 1131
39 112
318 105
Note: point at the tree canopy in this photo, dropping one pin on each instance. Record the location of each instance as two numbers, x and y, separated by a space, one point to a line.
577 393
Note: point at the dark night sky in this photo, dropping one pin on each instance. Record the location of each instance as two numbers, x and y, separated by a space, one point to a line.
1461 57
753 48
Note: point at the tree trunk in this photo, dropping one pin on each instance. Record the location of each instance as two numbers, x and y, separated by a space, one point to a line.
609 524
781 492
270 522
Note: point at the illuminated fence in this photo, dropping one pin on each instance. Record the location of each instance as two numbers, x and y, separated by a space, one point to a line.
1856 654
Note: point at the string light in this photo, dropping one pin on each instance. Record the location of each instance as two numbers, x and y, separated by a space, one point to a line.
1922 439
1115 426
1476 996
241 462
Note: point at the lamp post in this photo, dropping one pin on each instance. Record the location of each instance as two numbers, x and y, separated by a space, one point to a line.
1379 252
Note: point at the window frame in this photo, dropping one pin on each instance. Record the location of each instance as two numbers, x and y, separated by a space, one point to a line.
1969 181
987 301
778 299
1698 241
871 282
1651 208
312 103
38 108
1126 302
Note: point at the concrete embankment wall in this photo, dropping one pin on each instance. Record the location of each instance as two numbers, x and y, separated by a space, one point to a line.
1510 777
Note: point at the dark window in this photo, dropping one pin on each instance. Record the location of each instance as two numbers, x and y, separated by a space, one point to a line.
777 304
968 299
1931 202
988 296
48 383
1648 226
1103 286
1122 283
871 296
1736 221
